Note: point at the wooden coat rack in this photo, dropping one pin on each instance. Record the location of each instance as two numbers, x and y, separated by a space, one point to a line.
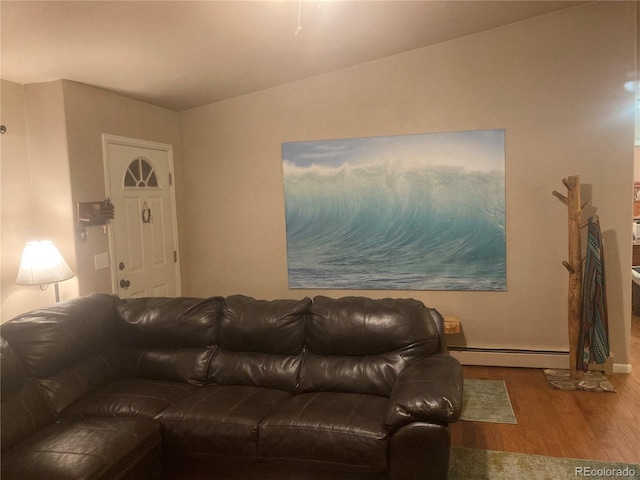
574 266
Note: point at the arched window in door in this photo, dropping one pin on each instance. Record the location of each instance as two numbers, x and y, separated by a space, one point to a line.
140 174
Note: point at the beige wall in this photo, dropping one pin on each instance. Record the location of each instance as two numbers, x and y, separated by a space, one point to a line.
36 191
90 112
17 211
555 83
52 159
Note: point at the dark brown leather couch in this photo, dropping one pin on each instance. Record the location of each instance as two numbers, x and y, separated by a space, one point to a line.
104 388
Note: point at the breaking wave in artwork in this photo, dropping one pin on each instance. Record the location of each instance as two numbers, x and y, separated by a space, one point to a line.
381 226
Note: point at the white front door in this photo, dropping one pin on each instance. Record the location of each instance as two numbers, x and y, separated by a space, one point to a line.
143 235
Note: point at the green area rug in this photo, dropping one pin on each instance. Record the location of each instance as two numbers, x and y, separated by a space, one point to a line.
475 464
486 401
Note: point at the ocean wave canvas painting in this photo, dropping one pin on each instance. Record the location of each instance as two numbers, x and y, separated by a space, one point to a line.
410 212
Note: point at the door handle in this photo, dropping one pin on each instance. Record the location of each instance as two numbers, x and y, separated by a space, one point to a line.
124 283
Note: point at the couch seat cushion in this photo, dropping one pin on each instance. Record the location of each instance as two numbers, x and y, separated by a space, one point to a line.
343 430
219 420
95 448
131 398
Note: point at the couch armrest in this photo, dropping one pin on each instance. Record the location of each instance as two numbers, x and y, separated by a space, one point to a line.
429 390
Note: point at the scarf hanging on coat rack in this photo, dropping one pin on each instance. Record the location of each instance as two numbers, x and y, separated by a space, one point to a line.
593 341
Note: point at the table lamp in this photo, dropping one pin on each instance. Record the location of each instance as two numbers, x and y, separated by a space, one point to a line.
42 265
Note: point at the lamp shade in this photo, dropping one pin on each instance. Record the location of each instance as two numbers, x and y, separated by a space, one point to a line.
42 264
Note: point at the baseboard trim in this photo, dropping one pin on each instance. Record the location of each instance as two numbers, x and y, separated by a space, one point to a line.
510 358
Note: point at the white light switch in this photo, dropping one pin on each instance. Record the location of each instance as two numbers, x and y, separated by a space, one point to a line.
101 260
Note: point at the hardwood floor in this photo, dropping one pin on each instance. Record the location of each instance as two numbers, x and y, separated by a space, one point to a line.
595 426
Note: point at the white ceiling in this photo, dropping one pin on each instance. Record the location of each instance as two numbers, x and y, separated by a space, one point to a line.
182 54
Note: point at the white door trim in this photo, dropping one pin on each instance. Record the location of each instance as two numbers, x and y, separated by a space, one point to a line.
107 140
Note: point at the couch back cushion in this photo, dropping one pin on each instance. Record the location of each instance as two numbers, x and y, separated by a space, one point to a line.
360 345
53 338
169 338
260 343
82 378
24 408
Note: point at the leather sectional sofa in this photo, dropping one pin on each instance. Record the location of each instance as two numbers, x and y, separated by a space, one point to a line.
104 388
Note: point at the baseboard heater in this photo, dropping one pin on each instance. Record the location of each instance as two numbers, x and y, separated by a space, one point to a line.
506 357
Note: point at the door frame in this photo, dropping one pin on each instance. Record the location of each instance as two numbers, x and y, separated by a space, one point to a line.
108 139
